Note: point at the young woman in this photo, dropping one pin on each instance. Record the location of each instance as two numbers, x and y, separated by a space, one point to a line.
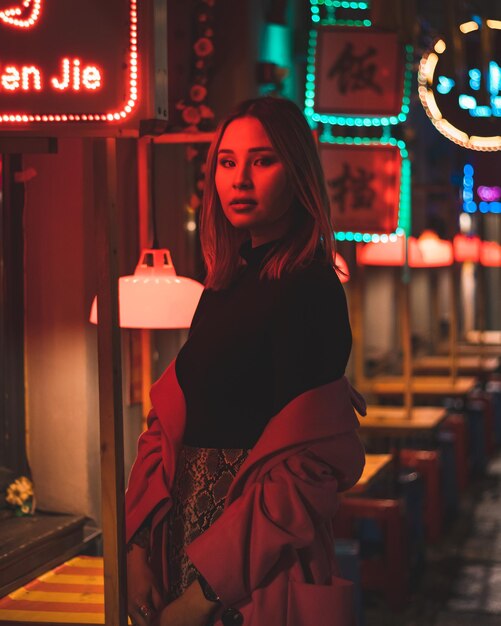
253 432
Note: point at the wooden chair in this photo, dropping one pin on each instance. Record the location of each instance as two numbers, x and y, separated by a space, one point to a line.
388 571
427 463
455 424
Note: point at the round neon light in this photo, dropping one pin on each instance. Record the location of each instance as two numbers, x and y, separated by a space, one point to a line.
433 86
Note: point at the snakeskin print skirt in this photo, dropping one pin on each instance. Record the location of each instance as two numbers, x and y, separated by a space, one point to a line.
203 477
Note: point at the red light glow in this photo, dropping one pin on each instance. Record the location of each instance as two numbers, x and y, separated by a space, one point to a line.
466 248
74 75
427 251
490 254
24 16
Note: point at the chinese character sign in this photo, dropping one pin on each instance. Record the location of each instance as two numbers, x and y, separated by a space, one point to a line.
363 184
358 72
67 60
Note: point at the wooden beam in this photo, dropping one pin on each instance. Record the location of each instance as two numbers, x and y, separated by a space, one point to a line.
184 138
13 436
405 312
454 321
357 318
110 384
144 147
13 144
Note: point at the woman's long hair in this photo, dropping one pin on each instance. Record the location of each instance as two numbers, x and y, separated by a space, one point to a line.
292 139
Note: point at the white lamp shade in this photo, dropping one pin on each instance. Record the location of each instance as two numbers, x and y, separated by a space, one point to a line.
155 296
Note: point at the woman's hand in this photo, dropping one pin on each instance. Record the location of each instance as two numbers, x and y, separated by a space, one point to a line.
190 609
144 599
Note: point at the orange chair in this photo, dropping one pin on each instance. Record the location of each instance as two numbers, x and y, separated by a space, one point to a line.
387 572
427 463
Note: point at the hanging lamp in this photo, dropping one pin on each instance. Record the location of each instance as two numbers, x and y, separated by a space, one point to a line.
155 297
431 251
384 254
490 254
427 251
466 248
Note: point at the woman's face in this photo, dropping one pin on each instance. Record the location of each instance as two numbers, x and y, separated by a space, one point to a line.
251 182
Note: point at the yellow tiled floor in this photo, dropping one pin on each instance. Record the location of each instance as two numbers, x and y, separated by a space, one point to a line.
72 593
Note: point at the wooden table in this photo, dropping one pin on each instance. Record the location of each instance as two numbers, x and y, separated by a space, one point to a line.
466 364
375 466
392 421
489 337
420 385
470 349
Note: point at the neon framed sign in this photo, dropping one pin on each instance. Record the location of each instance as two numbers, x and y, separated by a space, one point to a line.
464 108
400 172
489 197
354 64
53 71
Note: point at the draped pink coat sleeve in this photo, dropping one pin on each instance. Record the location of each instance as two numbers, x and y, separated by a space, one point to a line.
270 554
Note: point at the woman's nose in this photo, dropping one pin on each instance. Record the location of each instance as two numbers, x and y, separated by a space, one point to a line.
242 179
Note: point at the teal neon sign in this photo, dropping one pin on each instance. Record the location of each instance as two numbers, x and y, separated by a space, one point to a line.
489 197
404 207
469 102
323 13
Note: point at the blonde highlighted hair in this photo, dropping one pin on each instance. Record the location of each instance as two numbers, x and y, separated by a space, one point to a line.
293 142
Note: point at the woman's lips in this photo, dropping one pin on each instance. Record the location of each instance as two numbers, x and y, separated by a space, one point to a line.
243 206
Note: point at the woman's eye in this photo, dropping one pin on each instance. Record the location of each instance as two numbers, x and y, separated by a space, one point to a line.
226 162
264 161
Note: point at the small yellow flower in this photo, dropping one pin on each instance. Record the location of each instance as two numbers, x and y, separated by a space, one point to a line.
19 491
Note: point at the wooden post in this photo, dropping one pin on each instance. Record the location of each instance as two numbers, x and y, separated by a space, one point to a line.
481 293
453 337
144 203
435 312
110 385
357 317
406 333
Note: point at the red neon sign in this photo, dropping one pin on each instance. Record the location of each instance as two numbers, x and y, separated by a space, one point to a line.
68 61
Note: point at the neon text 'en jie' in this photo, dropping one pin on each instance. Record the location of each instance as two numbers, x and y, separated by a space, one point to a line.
73 76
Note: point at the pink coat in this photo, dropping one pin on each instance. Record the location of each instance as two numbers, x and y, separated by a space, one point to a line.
271 553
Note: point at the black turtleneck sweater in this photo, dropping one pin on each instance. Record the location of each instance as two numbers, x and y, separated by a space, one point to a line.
258 344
